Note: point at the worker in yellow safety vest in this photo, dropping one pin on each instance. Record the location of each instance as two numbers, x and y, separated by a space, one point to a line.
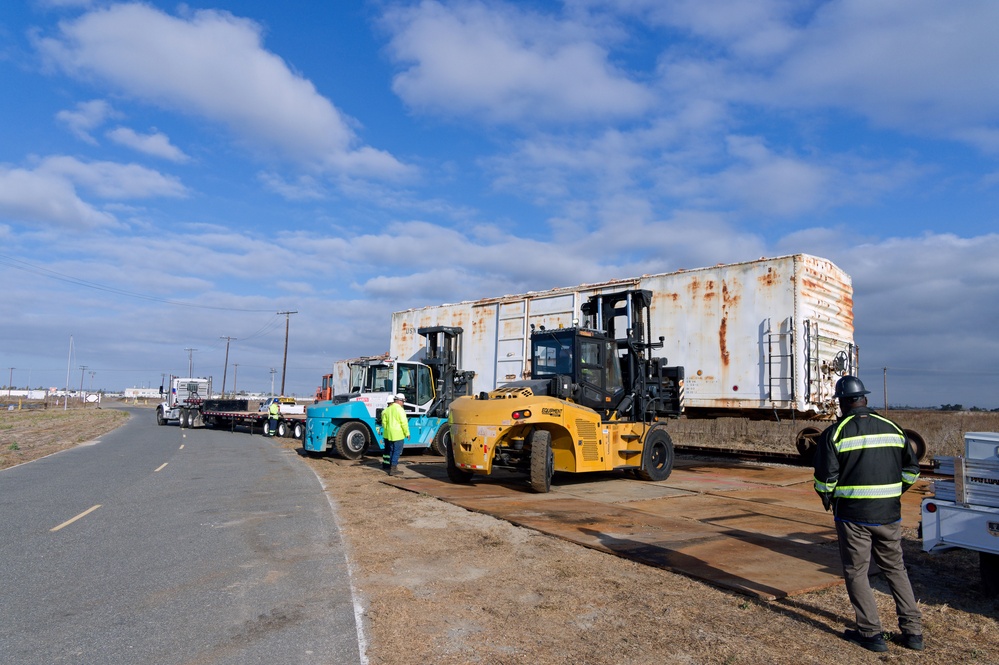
273 415
395 431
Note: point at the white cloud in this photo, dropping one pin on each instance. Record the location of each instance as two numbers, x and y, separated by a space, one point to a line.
156 144
48 193
41 196
213 65
86 117
111 180
916 66
303 188
506 65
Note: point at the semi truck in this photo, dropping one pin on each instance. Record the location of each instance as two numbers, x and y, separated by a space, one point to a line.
189 402
596 400
181 396
349 424
964 509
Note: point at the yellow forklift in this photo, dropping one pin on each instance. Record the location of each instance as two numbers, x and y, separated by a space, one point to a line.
597 400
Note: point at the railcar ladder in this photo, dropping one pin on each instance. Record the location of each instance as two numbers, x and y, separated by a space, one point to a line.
780 359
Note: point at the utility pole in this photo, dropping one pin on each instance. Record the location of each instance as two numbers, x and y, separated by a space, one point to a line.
235 373
273 371
886 388
10 382
83 368
226 368
284 367
190 362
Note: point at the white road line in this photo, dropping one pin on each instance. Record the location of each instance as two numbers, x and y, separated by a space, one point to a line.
70 521
161 466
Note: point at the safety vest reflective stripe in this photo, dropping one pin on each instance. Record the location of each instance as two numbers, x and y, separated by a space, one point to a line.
910 478
821 486
869 441
869 491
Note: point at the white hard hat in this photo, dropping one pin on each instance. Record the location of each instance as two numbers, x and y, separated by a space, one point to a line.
399 397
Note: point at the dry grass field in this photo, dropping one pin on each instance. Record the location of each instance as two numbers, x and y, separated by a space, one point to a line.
438 584
41 430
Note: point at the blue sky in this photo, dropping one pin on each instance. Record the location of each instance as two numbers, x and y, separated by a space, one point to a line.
171 174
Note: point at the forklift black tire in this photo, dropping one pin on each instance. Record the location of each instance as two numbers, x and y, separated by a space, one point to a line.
160 420
454 474
542 461
351 441
442 440
657 458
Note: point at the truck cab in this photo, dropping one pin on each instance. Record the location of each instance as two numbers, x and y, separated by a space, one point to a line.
180 394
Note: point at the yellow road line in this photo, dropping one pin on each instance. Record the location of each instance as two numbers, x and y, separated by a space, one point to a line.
70 521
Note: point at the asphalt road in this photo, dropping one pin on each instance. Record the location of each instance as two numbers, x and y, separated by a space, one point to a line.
200 547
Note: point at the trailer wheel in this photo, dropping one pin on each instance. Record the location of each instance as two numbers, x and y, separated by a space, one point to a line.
298 431
542 461
454 474
806 441
351 440
988 563
282 429
657 458
442 440
917 442
160 420
182 420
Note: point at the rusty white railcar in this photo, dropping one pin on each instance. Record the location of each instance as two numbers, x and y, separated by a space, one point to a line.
761 339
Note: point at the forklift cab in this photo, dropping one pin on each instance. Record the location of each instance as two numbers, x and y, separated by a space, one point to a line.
589 358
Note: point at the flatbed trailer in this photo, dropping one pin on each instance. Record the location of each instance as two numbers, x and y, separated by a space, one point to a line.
289 424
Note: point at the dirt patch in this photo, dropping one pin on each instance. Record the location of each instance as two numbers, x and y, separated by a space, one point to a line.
440 584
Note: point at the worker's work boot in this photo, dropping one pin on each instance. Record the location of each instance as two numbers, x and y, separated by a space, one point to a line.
394 471
874 642
911 641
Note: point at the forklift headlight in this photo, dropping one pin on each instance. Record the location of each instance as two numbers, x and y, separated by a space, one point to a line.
520 415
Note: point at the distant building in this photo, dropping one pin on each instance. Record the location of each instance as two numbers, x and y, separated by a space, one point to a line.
142 393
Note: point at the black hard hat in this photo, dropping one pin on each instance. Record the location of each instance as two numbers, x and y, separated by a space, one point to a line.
850 386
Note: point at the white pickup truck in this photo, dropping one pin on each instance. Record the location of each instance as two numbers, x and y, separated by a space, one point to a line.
964 510
286 404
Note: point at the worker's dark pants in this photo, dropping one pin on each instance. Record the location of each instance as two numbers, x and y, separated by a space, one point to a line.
391 453
272 426
858 544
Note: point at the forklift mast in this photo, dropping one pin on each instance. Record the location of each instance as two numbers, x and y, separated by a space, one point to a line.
651 389
442 358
